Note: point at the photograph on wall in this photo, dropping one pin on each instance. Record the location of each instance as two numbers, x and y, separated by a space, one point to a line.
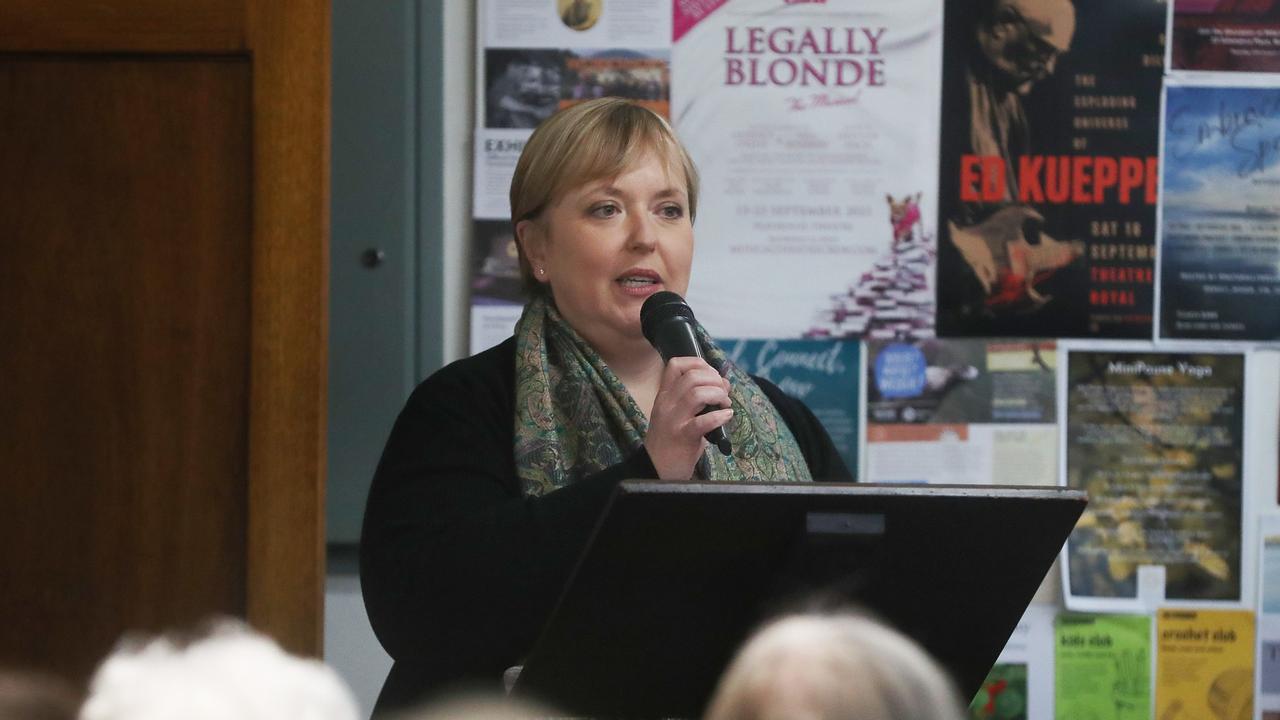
521 86
1156 439
1103 667
1226 35
1204 664
962 381
1220 214
495 276
823 374
1048 168
580 15
644 77
962 411
496 298
815 130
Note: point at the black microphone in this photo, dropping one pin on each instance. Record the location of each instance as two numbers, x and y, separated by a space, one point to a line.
667 323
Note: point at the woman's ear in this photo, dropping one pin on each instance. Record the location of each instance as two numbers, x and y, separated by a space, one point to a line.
533 243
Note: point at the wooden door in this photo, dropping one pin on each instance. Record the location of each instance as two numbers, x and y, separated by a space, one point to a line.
163 316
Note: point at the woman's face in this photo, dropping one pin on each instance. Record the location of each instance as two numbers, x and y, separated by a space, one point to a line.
606 246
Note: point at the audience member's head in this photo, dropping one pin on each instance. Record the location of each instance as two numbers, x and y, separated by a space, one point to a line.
231 673
833 667
28 696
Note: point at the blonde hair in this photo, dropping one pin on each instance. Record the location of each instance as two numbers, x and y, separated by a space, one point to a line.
833 667
596 139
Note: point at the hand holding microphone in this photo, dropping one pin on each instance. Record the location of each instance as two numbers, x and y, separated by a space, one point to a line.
690 386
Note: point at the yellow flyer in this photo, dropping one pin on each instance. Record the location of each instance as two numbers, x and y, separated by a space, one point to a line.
1204 665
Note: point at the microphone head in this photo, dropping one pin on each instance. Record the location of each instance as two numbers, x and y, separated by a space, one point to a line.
659 308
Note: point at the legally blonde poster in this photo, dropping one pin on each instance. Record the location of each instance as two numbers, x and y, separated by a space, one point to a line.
815 128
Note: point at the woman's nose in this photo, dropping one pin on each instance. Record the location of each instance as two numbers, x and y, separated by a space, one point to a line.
642 235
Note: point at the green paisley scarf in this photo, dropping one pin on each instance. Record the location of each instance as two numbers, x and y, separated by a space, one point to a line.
574 417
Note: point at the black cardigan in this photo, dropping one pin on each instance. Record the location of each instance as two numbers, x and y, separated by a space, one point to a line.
459 569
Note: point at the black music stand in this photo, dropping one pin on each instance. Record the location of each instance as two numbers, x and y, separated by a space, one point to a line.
676 575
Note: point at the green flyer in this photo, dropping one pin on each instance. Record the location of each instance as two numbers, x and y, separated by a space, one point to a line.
1103 667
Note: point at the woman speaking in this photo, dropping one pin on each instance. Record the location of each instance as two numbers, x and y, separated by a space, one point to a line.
499 464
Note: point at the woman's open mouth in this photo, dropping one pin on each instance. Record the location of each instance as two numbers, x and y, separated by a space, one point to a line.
638 281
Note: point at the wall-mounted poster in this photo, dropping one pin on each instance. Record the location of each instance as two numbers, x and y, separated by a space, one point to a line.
815 129
1156 439
521 87
1048 168
534 58
1267 676
1233 35
962 411
1103 667
1220 222
1204 664
823 374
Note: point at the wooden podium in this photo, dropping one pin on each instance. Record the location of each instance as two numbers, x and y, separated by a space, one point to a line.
677 575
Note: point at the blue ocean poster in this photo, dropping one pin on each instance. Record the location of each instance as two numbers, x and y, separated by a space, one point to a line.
1219 240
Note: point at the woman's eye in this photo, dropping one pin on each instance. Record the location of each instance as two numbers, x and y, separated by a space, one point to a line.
607 210
672 212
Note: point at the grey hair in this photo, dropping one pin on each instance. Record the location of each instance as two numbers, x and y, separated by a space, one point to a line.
833 667
232 673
